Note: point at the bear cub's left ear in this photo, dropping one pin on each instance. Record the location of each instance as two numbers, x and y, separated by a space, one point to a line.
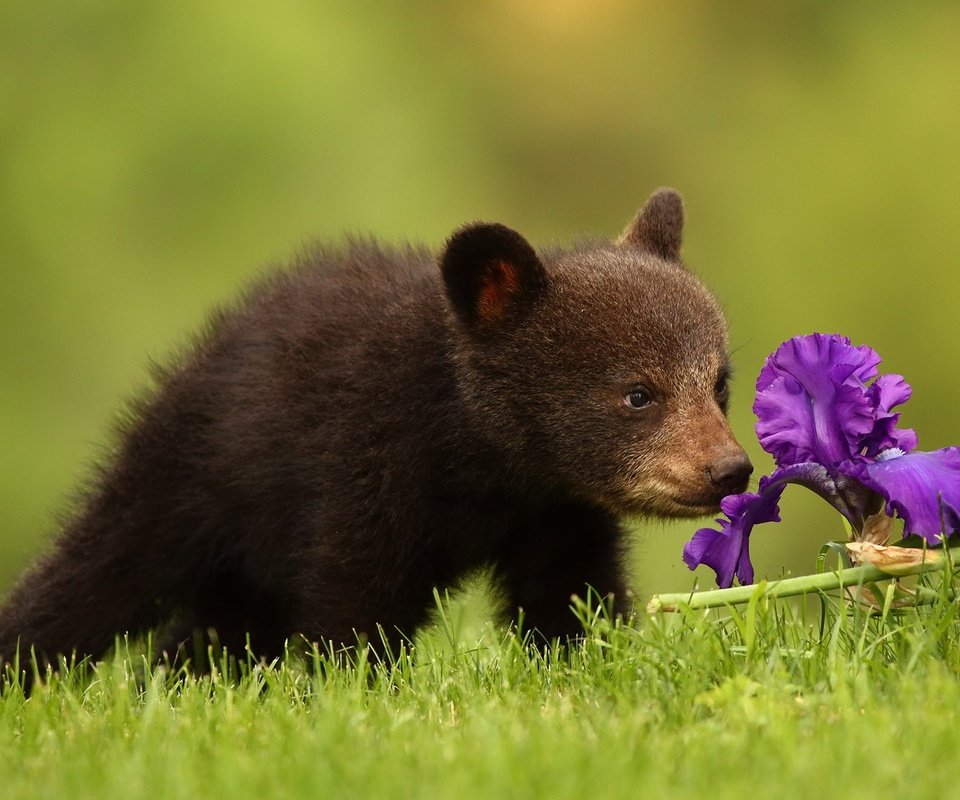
492 275
658 226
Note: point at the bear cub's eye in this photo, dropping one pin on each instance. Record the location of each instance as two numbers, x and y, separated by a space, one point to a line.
721 390
720 387
638 398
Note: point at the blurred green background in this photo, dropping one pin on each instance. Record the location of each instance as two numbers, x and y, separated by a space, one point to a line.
154 156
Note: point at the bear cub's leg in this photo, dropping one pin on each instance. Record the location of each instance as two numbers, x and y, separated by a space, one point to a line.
566 551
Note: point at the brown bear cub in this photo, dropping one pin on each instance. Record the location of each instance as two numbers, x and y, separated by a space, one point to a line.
377 422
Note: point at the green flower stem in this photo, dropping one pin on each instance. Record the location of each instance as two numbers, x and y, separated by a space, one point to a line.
790 587
924 596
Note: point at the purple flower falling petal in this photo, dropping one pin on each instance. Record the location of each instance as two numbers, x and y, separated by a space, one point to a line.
921 488
726 551
830 431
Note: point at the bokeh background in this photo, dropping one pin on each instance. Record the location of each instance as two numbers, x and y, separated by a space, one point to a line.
155 156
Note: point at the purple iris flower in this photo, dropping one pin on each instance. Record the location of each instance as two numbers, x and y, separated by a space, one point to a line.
828 421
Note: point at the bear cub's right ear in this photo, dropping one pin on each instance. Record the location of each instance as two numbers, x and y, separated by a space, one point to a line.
658 226
492 275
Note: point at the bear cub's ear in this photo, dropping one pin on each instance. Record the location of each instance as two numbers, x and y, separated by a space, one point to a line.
658 226
492 275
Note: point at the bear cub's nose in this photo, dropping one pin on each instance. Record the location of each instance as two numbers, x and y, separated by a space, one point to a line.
730 473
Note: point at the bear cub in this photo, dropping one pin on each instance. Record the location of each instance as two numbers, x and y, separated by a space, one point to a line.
379 421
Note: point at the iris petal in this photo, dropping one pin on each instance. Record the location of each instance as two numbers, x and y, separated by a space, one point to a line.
885 393
812 354
727 551
923 488
811 401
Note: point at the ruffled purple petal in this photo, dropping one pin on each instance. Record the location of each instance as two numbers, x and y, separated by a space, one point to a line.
811 401
922 488
885 393
727 551
890 390
798 354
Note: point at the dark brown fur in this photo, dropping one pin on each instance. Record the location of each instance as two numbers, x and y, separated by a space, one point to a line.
366 427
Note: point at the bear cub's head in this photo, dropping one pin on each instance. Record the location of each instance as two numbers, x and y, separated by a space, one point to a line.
600 372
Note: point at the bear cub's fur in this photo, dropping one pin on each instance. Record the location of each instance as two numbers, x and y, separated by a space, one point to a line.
376 422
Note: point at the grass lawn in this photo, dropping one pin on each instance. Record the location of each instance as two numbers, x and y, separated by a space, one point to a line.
778 701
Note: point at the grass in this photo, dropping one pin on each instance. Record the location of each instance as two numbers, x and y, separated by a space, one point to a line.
772 699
